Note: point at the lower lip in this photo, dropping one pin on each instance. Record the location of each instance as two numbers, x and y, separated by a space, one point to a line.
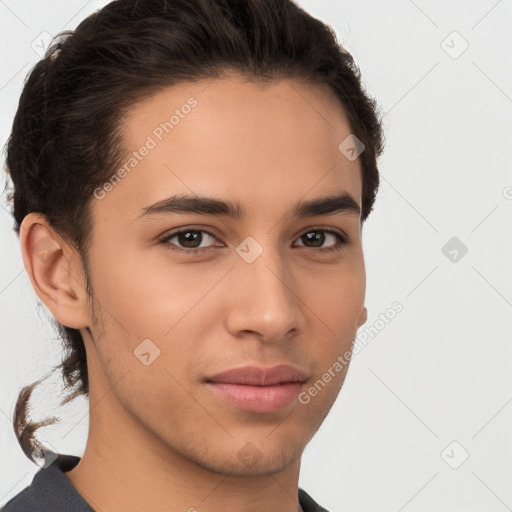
257 398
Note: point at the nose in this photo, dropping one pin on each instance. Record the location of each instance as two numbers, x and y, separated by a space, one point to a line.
263 301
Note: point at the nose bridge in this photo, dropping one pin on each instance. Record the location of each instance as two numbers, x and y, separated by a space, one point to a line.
264 300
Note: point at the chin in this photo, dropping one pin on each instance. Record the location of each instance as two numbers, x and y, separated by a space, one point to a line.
250 460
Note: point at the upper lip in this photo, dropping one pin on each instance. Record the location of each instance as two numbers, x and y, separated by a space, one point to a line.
256 376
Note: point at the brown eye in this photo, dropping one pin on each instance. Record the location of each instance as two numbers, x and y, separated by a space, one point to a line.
193 240
318 237
189 239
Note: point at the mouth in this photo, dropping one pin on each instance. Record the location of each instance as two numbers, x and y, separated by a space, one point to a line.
256 389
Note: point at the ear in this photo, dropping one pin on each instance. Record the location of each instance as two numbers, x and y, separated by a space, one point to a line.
364 316
55 271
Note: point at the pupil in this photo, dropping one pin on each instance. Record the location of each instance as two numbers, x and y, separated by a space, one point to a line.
190 239
316 237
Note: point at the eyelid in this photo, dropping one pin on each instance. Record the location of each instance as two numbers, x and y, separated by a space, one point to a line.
326 229
165 239
342 240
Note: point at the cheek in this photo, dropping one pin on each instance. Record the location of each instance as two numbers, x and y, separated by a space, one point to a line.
169 306
147 296
335 308
336 293
333 303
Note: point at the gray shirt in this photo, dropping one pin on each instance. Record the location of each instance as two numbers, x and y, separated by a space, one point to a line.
52 491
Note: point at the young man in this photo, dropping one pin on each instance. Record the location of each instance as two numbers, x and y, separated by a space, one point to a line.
190 183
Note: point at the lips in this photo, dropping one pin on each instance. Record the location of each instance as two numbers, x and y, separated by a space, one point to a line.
258 389
254 376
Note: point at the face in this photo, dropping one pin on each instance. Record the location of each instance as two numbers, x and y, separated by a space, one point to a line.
185 290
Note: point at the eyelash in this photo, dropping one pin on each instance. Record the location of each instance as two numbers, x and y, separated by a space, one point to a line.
342 240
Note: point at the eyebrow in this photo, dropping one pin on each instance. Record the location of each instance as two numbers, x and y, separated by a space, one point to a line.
183 204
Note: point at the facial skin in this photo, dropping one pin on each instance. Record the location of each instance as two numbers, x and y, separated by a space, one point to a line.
159 439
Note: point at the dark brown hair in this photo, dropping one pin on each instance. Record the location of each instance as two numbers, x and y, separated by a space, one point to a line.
67 133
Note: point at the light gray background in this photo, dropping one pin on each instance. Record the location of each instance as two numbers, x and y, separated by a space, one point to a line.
437 373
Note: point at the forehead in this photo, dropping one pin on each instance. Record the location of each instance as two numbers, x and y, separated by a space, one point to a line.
228 136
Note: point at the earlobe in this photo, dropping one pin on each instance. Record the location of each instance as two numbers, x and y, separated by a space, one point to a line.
364 316
50 263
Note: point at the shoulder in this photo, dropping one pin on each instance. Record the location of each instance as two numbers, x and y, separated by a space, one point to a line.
50 490
308 504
